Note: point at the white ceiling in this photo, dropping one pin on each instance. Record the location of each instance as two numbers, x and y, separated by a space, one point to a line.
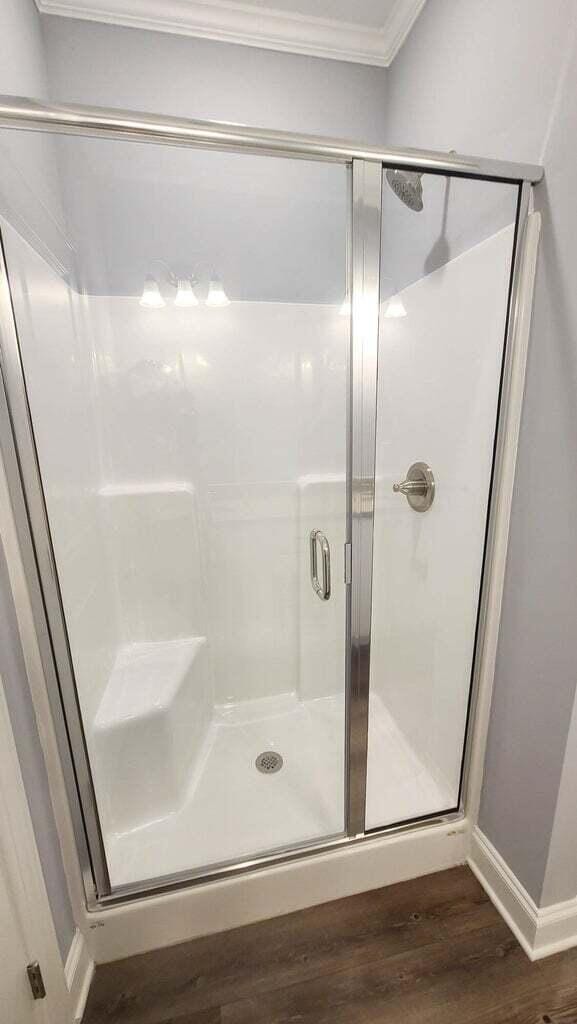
362 31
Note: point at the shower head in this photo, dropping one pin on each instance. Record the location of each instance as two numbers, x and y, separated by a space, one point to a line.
407 187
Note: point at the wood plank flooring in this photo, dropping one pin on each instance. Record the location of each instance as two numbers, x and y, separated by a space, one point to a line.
430 950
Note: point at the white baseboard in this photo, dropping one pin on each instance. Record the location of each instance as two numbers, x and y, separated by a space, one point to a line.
217 906
78 973
541 931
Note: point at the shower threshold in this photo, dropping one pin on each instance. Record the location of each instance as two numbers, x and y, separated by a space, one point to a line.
232 811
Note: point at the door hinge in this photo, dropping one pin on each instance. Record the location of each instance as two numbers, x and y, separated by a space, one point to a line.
348 563
36 980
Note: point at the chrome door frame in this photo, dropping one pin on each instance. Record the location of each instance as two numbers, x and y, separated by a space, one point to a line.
512 325
23 113
367 185
29 505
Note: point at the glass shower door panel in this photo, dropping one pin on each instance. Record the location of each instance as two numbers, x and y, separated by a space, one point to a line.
445 281
186 373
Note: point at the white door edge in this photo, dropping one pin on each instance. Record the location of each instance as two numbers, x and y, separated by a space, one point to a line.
27 888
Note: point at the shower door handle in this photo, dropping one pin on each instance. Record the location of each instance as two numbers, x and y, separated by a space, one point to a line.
317 539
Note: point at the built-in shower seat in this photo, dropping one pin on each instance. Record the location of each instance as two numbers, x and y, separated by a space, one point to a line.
149 729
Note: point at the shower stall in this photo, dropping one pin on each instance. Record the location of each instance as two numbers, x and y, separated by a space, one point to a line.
254 396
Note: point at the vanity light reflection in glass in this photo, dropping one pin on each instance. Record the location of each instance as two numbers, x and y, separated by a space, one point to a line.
151 297
185 297
216 294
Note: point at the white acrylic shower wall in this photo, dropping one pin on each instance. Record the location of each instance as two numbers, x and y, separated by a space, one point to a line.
193 494
439 372
58 357
209 514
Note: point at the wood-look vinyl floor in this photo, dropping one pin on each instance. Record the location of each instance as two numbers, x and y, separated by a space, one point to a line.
430 950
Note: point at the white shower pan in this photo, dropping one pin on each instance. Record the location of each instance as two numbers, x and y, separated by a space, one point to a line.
227 810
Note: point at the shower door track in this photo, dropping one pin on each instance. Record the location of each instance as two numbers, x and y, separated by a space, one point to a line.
282 855
27 495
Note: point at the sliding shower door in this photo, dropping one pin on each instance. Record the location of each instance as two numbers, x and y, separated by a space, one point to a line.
445 278
180 325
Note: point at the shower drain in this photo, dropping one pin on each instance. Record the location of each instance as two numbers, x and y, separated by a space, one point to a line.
269 762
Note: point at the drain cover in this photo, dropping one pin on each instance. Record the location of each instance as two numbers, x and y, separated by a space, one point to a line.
269 762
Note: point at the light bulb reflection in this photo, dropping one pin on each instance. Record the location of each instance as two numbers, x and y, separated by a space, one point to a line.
151 297
216 294
185 297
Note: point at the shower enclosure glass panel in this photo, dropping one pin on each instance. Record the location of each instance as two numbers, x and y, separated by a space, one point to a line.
445 274
186 370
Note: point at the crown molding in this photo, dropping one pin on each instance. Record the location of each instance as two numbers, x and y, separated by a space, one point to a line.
271 29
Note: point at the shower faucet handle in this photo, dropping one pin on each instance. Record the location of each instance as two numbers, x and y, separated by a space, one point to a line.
410 487
418 487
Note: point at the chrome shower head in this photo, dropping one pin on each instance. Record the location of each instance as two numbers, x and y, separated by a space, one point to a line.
407 187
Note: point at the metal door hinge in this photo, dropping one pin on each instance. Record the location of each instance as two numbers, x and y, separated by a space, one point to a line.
36 980
348 563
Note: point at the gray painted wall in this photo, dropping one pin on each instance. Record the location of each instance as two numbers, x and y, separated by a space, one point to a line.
500 78
233 212
479 77
536 669
142 70
22 70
